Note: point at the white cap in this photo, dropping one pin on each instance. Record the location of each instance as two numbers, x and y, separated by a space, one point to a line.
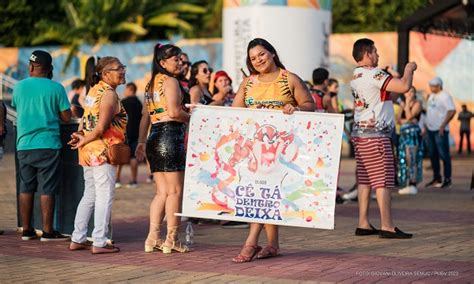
436 81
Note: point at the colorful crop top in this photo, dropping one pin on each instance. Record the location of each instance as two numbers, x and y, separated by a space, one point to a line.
156 103
94 153
271 95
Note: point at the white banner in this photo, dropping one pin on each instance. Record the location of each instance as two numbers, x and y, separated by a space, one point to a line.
263 166
299 35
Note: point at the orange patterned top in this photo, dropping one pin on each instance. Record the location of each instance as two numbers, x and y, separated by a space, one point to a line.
271 95
156 102
94 153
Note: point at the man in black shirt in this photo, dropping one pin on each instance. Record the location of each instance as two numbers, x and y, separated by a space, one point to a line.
77 87
133 107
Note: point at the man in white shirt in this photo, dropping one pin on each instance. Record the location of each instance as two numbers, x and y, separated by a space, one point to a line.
439 113
371 135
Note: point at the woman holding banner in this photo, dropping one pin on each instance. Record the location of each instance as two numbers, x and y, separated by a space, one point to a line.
165 149
269 86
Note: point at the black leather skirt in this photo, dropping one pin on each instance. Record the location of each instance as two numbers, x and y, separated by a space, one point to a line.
165 149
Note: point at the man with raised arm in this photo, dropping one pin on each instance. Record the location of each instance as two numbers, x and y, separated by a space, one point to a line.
371 135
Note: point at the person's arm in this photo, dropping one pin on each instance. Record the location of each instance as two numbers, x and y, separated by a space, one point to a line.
65 115
449 115
219 97
451 111
327 104
2 118
304 101
195 93
239 100
142 132
173 100
334 105
402 85
63 104
411 113
107 109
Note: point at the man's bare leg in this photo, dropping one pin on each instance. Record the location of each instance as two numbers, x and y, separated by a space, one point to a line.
364 200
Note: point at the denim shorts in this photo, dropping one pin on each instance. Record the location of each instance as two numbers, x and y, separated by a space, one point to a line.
39 169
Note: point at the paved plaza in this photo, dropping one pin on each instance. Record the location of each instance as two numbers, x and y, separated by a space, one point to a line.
441 251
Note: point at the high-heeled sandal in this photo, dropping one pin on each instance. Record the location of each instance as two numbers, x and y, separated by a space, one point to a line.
240 258
268 252
153 241
176 245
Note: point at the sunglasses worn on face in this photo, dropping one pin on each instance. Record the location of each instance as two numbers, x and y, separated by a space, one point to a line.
120 68
186 63
206 70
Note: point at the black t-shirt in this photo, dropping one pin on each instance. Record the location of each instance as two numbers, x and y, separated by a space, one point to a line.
75 102
133 107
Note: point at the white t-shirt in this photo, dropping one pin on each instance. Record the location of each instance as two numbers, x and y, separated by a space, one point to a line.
373 107
438 106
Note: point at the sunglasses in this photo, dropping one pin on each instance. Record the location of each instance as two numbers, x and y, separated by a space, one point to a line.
206 70
186 63
120 68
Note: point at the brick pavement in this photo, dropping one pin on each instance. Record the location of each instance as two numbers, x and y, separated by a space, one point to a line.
441 251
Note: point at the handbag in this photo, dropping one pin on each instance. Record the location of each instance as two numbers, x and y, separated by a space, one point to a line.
118 154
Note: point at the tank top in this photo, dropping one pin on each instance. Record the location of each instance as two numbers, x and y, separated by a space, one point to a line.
271 95
94 153
156 103
417 117
318 96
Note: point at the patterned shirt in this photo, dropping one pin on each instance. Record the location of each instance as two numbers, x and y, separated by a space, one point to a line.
271 95
373 116
94 153
156 103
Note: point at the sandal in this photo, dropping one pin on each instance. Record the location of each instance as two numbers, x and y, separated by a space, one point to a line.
153 241
243 258
268 252
176 245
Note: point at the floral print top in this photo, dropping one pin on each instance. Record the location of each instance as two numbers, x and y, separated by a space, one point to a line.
95 152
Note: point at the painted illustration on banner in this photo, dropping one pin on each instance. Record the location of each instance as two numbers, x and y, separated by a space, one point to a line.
262 166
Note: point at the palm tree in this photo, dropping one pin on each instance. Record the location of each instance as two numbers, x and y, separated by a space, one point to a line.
102 21
173 17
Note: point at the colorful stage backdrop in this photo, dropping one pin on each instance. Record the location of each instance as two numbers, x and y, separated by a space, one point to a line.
263 166
450 58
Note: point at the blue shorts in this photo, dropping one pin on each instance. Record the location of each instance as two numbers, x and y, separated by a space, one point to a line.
39 169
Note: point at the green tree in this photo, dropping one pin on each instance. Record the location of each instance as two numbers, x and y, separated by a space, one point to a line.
18 18
371 15
91 22
164 19
103 21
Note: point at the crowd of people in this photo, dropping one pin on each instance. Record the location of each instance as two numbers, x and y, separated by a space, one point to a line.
155 131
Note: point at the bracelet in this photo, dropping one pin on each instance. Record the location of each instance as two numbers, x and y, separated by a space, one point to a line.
141 142
297 108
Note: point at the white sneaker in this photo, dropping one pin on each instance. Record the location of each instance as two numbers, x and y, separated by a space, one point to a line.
411 189
373 196
149 179
350 195
118 185
132 185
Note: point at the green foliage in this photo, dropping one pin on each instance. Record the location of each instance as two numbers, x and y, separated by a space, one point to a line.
371 15
75 22
18 18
